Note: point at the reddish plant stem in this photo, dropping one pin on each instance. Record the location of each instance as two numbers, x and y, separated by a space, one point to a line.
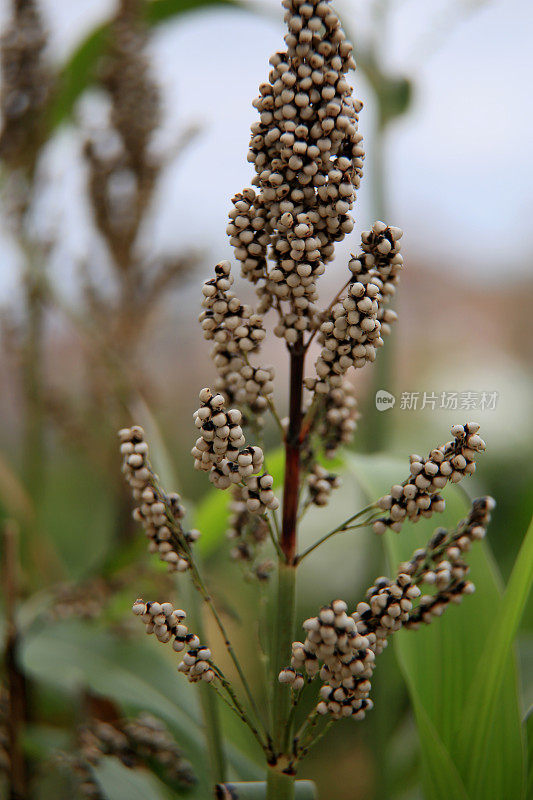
16 682
291 484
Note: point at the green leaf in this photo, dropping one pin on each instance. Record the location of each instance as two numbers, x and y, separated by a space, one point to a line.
117 782
440 775
489 691
81 70
138 674
77 514
444 663
529 731
211 518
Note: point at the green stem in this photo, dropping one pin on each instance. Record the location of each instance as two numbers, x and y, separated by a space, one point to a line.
279 785
283 638
34 448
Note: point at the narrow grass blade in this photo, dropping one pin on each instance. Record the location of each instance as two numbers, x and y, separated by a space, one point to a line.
487 697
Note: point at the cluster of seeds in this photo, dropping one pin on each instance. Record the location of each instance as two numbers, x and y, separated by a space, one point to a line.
159 513
320 484
85 600
225 319
196 665
386 609
249 234
166 623
308 159
237 332
380 262
221 451
350 337
122 171
135 97
418 496
26 84
352 331
82 769
244 528
441 563
221 433
135 742
342 657
258 385
338 419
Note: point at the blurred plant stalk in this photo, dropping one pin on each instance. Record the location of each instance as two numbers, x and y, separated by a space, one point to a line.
17 690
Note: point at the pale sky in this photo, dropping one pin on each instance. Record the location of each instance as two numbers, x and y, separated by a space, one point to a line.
459 167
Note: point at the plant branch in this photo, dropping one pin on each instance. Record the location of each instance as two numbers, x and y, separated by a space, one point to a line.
344 526
237 708
208 703
273 535
197 580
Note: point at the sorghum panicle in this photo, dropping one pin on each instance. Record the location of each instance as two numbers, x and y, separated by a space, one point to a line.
166 622
159 513
419 495
221 451
341 649
136 743
26 86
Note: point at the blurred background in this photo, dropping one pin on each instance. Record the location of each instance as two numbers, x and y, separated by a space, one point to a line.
125 130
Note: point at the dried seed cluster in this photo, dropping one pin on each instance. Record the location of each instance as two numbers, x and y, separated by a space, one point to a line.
245 528
122 171
26 85
225 319
418 496
249 234
221 451
381 262
352 331
338 419
320 484
196 665
308 159
134 742
341 656
85 600
386 609
159 513
166 623
441 565
135 96
237 332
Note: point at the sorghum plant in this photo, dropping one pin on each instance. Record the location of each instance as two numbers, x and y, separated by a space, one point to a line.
308 158
123 167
